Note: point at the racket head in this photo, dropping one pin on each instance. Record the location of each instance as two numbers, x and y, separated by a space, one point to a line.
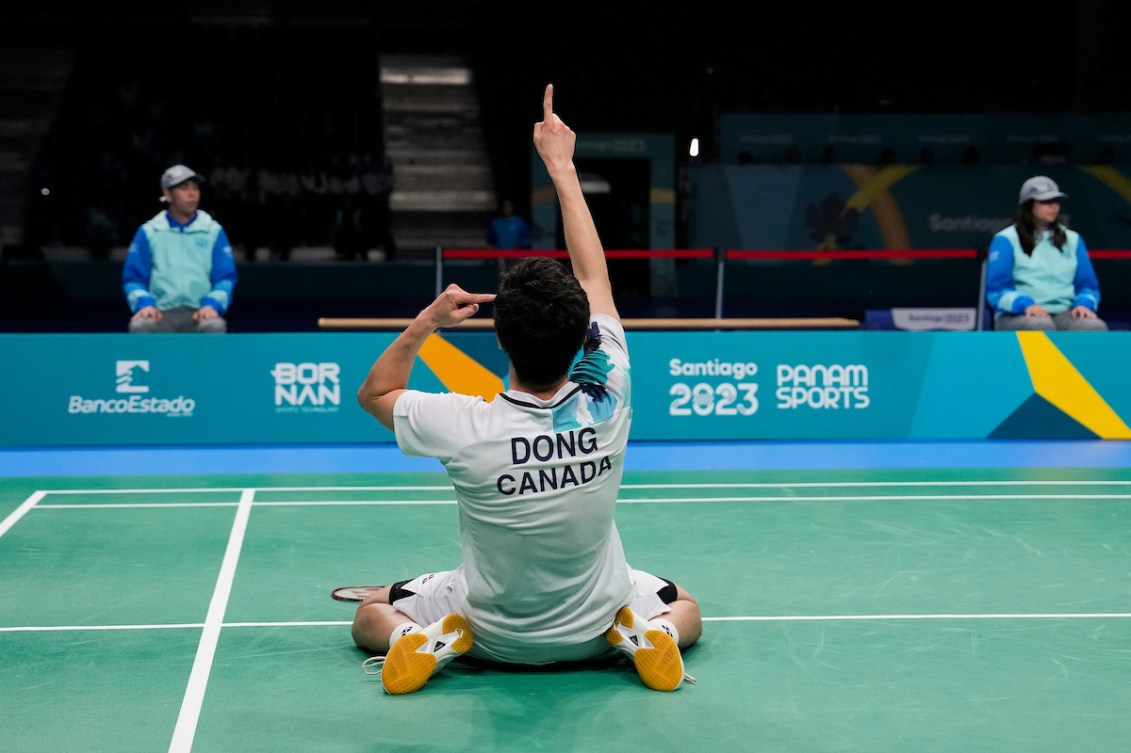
354 593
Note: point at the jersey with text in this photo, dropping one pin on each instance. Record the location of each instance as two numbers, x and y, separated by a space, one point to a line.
537 481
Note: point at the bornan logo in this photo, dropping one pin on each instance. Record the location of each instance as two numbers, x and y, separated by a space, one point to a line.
127 375
307 387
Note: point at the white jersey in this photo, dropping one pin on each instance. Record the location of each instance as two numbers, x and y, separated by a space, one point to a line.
536 482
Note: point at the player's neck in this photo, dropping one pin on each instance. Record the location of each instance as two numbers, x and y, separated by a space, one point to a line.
542 393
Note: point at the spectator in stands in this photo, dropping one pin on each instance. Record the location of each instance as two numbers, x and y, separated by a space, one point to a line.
179 272
508 230
1039 276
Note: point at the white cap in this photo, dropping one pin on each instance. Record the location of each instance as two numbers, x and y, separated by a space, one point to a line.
176 175
1040 188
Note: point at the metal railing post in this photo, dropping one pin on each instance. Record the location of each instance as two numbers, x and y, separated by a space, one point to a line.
720 261
439 270
980 321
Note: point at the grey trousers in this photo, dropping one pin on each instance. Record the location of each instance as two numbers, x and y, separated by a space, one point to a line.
1064 321
179 320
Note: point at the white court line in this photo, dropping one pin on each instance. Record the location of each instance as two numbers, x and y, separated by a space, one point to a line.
309 503
767 485
135 505
1001 616
230 489
78 628
819 484
736 618
169 626
634 500
348 502
777 498
19 512
406 488
876 497
187 720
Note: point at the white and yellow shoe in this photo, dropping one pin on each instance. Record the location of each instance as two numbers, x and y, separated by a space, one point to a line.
415 657
653 651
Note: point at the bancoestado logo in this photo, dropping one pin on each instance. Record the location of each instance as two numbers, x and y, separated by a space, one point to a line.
822 386
307 387
130 382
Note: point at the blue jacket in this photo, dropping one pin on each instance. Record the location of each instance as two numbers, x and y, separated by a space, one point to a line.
170 265
508 232
1056 280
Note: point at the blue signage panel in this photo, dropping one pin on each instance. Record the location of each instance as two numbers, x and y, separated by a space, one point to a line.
186 389
120 389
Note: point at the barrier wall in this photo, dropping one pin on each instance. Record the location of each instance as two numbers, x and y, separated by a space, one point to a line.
117 389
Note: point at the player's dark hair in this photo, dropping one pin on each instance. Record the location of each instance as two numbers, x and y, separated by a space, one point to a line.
541 317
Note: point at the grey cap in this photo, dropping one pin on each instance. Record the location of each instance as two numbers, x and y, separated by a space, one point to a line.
176 175
1040 188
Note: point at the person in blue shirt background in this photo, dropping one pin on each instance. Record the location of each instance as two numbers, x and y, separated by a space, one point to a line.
508 230
179 272
1039 275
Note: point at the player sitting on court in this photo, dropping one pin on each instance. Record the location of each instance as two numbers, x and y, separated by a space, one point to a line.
536 473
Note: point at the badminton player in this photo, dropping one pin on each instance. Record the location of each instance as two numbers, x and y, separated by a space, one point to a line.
536 472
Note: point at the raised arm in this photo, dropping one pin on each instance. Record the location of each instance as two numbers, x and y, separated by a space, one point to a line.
555 142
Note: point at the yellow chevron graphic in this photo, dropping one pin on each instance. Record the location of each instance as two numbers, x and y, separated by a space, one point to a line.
872 190
1057 380
458 371
875 184
1111 178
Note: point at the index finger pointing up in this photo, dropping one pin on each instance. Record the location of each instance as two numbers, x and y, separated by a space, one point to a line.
548 103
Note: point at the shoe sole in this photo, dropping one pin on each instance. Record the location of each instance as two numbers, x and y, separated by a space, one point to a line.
407 668
659 666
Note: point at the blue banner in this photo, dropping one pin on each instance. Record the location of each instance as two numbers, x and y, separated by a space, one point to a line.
118 389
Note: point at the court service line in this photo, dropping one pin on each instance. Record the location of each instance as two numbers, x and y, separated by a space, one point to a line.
622 500
733 618
19 512
309 503
134 505
232 489
992 616
705 485
820 484
185 730
877 497
83 628
774 498
169 626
